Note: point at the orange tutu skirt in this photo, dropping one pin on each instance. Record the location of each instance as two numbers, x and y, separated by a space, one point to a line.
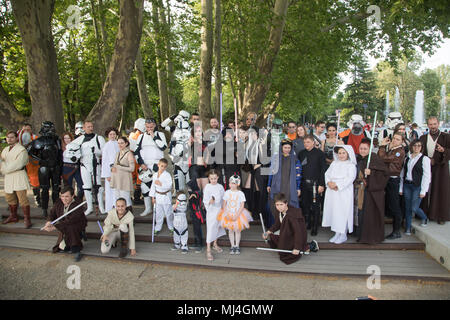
235 222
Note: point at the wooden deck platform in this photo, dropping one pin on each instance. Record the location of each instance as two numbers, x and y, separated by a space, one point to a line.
250 238
404 264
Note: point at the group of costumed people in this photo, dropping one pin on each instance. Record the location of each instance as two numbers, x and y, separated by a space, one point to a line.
227 177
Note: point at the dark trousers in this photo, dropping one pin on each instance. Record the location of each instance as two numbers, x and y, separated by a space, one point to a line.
310 208
49 177
393 202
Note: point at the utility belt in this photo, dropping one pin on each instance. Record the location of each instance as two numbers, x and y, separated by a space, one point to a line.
409 182
71 165
310 182
163 193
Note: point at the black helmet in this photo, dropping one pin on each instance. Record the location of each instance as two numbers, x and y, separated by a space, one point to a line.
47 128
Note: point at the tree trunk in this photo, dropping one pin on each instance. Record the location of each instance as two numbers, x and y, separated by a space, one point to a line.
165 27
103 33
206 62
142 87
255 93
10 118
116 87
102 65
160 65
33 19
217 55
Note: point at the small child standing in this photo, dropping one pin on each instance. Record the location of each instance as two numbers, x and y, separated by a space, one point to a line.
233 216
161 193
180 224
212 199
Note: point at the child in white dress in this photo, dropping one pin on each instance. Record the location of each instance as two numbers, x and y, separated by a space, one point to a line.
233 216
212 199
338 205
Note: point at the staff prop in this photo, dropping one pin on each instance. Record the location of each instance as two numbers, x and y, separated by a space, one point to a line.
338 125
54 221
371 140
153 224
262 224
277 250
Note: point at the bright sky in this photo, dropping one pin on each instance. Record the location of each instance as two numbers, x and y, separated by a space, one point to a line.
440 56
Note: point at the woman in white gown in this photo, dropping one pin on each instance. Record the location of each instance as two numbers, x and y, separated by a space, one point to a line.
109 154
338 206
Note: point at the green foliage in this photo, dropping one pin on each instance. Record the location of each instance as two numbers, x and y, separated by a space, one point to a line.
321 40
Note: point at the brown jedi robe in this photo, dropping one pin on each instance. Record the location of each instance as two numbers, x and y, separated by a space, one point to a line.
71 226
436 203
372 224
292 234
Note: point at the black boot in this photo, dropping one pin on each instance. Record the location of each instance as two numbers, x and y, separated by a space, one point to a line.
137 195
124 239
76 250
44 213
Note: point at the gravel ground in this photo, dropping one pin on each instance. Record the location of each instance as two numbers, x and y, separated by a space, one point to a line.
28 274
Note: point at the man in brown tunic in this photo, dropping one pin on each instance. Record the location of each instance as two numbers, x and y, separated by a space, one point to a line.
71 227
291 224
370 184
436 145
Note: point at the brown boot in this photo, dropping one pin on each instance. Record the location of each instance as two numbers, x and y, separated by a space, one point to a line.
26 215
12 216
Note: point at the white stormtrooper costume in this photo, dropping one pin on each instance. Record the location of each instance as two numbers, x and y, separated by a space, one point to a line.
139 128
392 120
179 149
180 224
149 151
90 147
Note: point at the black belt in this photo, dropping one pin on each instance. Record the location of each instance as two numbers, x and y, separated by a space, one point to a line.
309 181
409 182
71 165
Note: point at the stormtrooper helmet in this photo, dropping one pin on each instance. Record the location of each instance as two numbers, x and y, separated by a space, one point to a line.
184 114
182 202
393 119
79 128
145 175
235 179
356 118
140 124
277 124
47 129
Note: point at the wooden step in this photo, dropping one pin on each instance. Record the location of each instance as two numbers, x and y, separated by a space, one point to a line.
250 238
397 264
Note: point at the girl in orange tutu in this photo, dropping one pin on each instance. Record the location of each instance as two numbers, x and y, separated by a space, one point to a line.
233 216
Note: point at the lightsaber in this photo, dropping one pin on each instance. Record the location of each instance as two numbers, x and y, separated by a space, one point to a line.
262 224
371 140
235 120
100 226
277 250
69 212
153 227
221 123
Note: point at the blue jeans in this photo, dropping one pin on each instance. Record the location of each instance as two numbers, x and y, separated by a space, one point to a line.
412 203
